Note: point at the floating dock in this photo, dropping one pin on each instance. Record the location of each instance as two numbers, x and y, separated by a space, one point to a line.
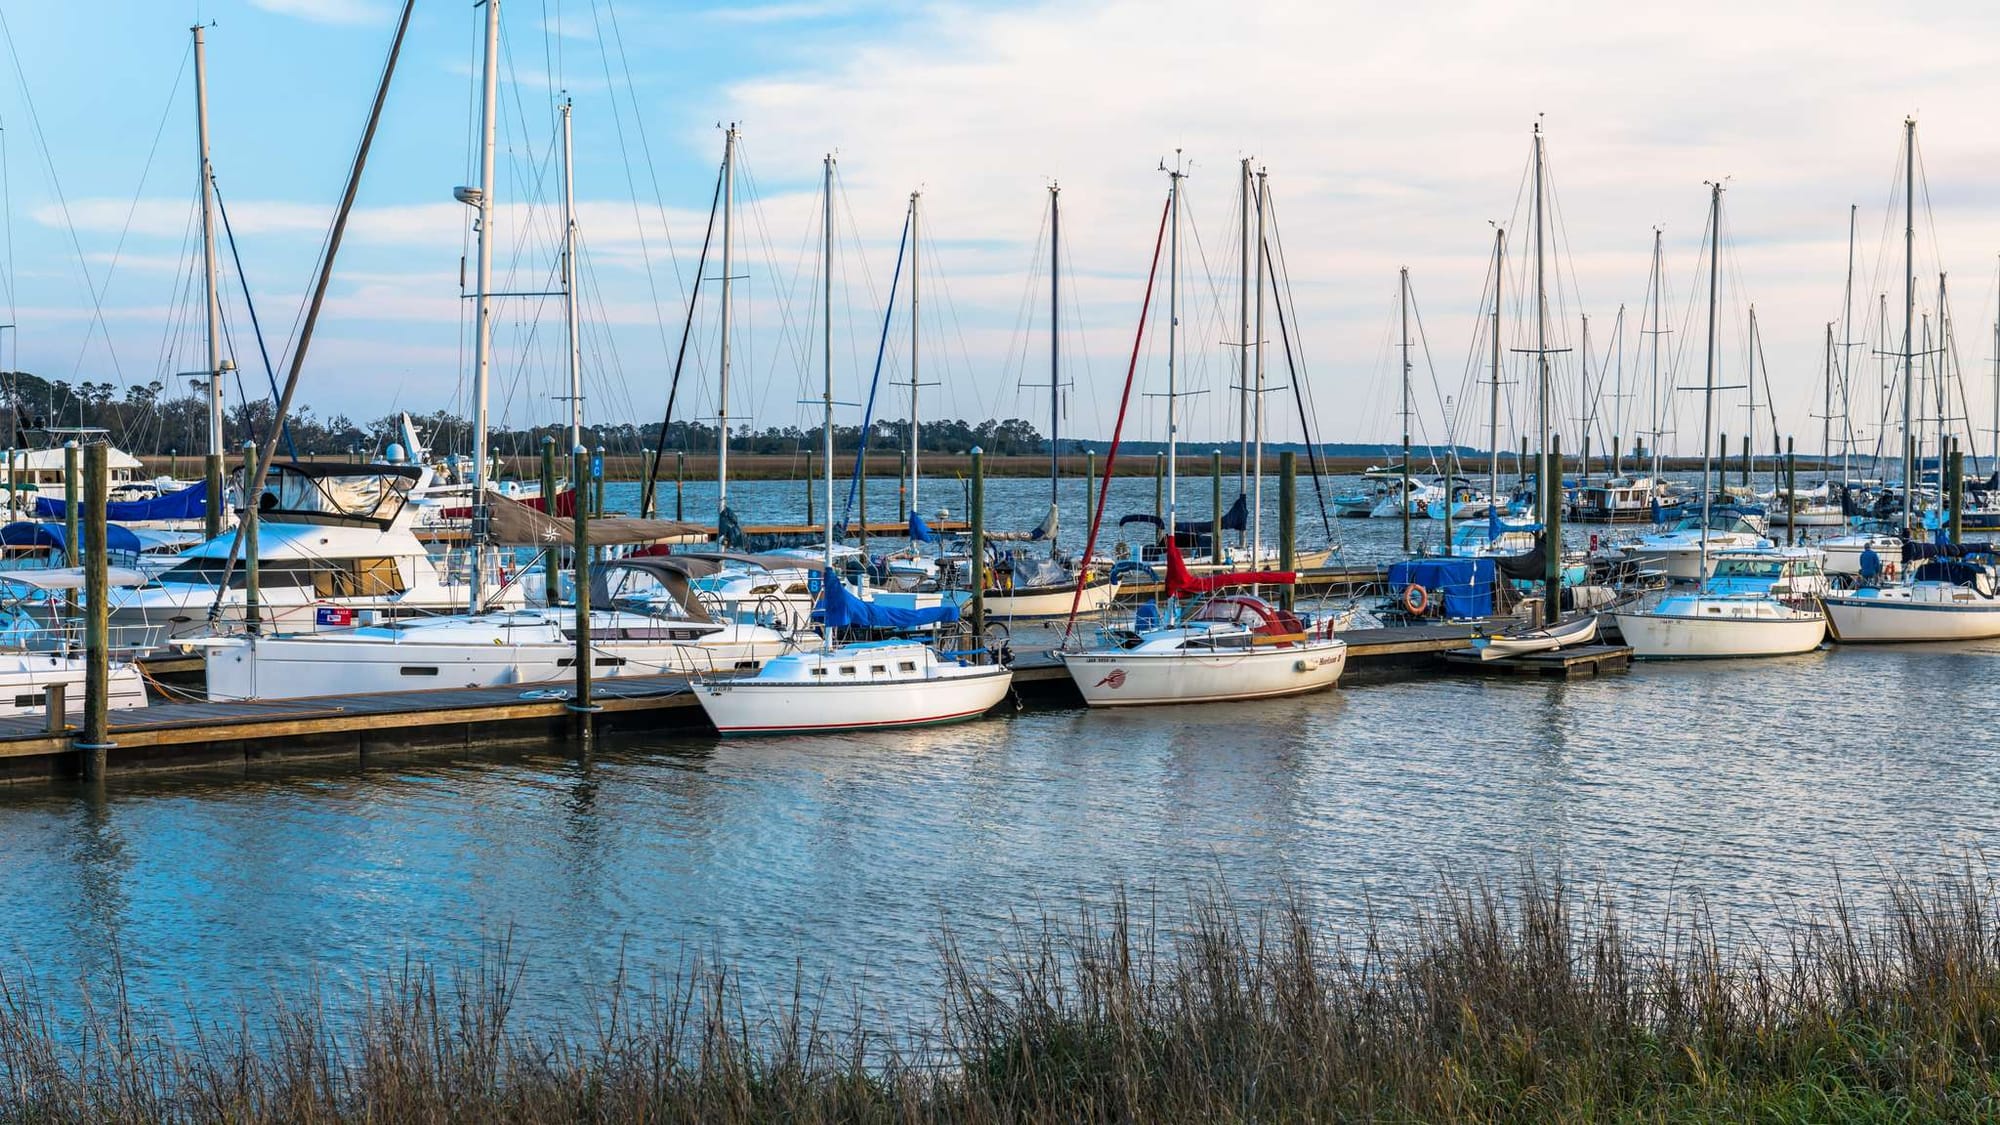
171 736
1577 663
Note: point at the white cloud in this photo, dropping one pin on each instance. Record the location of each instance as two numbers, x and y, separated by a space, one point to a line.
352 12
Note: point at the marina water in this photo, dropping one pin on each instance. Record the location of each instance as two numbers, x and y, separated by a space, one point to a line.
837 860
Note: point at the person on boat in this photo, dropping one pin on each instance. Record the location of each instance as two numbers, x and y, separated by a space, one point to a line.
1871 566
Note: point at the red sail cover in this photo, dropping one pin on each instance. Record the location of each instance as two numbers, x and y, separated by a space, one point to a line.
1182 581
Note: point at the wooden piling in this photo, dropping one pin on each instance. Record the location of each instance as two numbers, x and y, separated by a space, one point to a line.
1791 494
1954 491
1722 464
1583 475
810 520
1552 553
212 502
1215 489
580 705
71 485
551 553
680 482
1288 487
1159 486
253 614
97 617
976 565
903 487
1746 461
1089 490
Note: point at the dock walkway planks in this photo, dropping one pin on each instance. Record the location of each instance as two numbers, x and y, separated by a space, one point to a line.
196 734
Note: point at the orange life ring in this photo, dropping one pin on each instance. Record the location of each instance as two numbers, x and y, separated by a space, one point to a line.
1416 599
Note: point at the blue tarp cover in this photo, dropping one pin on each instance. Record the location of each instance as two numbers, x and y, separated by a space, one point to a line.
25 534
839 608
187 504
1466 585
920 532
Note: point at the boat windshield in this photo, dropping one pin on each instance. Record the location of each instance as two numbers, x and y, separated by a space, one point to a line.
1749 568
314 492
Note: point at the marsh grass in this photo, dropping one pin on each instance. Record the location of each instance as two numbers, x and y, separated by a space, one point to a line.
1528 1001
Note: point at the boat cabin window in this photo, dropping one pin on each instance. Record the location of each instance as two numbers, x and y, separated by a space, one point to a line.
907 666
270 575
357 578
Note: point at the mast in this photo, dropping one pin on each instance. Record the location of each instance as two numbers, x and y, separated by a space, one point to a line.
1243 336
1847 354
915 426
1708 389
1055 348
569 294
1618 394
1493 405
1551 474
1659 423
826 389
1750 377
1589 419
1403 294
1826 413
1257 396
211 297
482 348
1173 345
1909 307
722 372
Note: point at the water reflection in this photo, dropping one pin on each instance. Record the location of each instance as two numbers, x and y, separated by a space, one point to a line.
839 856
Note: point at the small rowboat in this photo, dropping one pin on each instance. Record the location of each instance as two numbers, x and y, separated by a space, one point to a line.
1578 631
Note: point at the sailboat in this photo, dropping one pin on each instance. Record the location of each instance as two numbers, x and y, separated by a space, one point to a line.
1231 646
857 686
1941 599
1711 622
1024 584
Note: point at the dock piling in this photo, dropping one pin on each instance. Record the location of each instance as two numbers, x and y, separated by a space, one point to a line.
253 616
680 480
581 706
1791 494
1159 486
1288 495
1583 475
1552 548
903 487
97 617
551 554
1746 461
1089 489
1954 491
70 556
1215 528
976 565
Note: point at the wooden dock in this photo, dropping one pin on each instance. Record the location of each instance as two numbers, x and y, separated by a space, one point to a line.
176 735
1578 663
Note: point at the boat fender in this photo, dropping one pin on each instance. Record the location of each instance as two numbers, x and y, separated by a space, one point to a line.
1416 599
1593 542
1302 665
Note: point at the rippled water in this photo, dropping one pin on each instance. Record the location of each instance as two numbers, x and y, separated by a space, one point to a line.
841 856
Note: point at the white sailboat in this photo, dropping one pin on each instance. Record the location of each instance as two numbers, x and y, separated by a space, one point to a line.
1231 647
866 686
1714 622
1939 600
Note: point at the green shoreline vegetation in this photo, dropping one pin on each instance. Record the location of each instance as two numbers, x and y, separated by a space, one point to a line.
1529 1001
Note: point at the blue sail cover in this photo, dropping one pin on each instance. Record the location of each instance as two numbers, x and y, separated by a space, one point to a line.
1466 585
1237 518
839 608
920 532
25 534
189 503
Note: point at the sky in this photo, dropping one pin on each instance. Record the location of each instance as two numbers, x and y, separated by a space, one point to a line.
1393 136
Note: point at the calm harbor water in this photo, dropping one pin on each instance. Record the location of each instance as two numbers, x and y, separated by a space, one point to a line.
840 857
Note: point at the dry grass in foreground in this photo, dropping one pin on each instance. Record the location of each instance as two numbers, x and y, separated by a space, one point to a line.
1524 1003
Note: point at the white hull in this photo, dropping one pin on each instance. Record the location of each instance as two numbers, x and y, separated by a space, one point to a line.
1812 517
1857 619
1051 602
1662 637
292 667
1579 632
755 705
1128 679
23 676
